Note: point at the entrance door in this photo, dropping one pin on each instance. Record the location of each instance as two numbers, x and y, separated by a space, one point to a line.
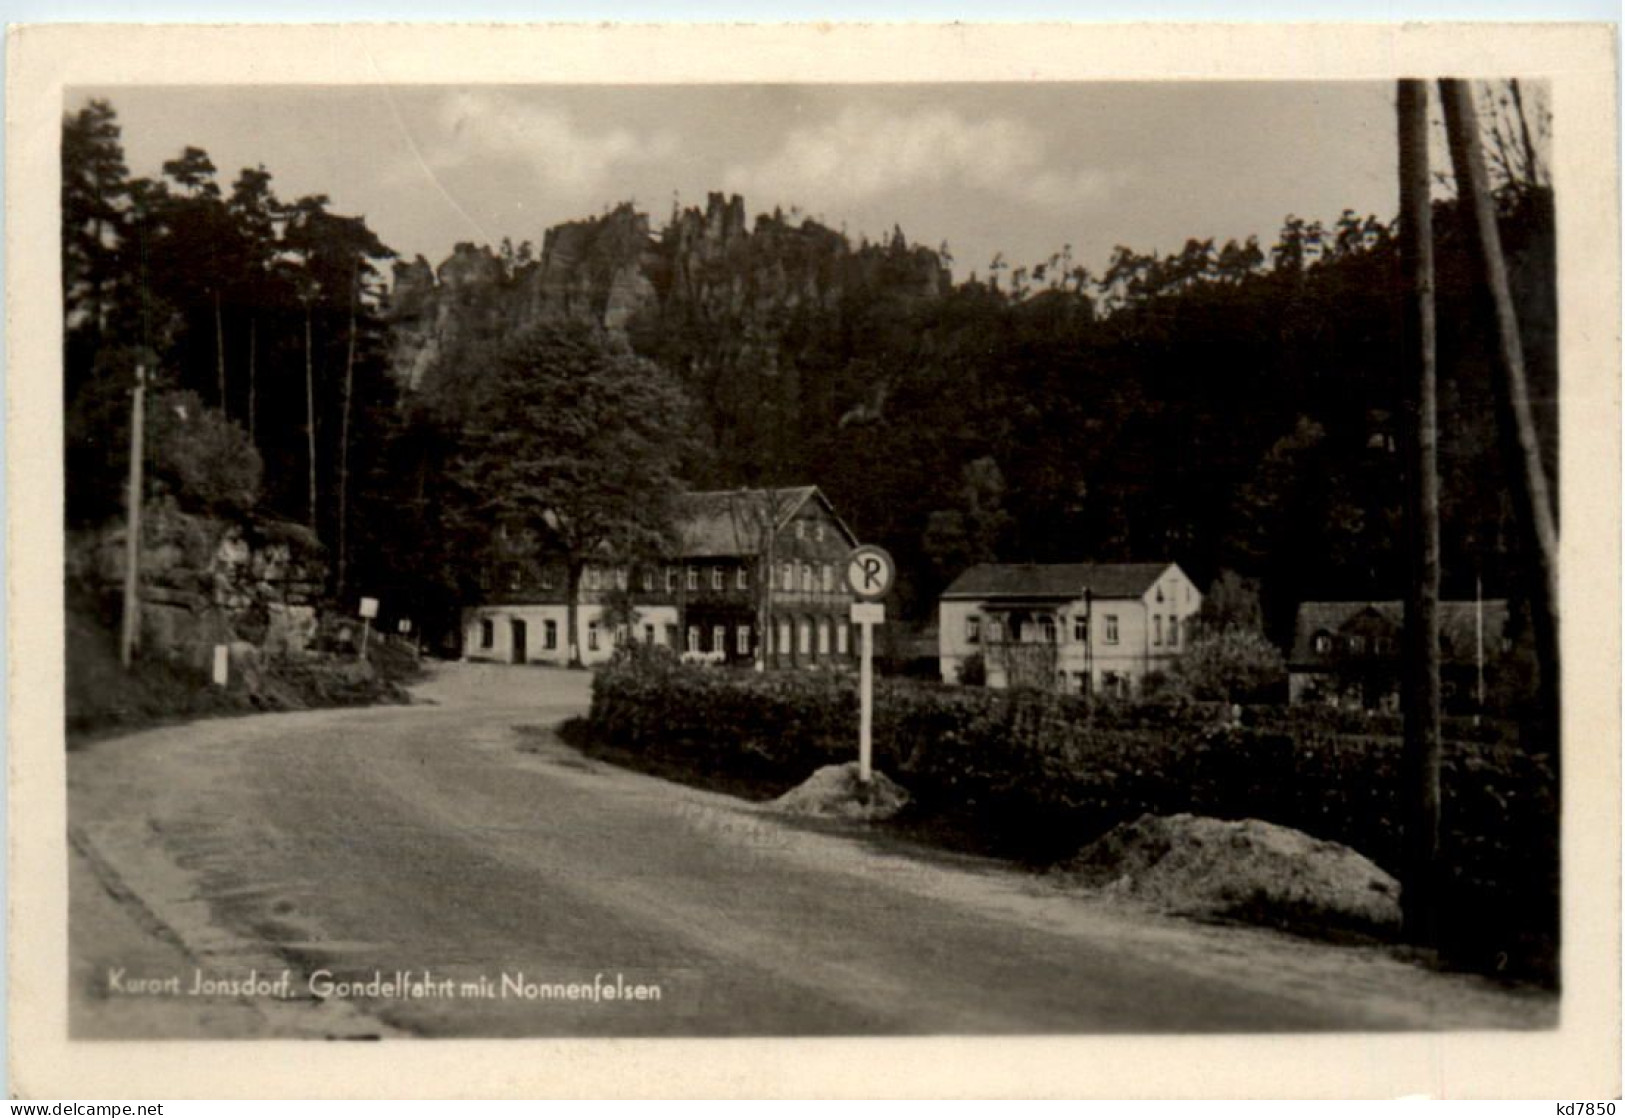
517 629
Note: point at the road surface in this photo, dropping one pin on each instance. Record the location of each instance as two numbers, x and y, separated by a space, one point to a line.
435 870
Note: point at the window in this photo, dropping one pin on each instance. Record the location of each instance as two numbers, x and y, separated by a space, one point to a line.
1080 630
547 578
1046 630
787 580
807 577
693 578
620 578
515 576
719 638
1173 632
488 633
693 638
805 642
1159 593
671 579
671 636
742 642
1111 628
1156 628
717 578
801 529
995 630
1357 644
828 578
648 580
592 636
595 579
784 637
823 636
622 635
818 532
841 637
973 630
648 634
1323 642
741 579
550 634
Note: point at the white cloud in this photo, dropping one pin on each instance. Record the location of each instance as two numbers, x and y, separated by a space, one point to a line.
481 125
863 153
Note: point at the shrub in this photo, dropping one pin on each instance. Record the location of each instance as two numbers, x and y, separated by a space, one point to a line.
1043 773
1232 664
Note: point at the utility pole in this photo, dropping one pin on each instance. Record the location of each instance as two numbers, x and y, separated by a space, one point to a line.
1421 660
130 631
1520 442
310 412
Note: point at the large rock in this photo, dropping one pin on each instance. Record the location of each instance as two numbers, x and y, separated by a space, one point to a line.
1247 869
835 792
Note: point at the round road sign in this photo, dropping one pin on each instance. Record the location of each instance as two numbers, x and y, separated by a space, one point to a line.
870 572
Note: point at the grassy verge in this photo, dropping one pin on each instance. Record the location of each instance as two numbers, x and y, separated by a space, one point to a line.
104 699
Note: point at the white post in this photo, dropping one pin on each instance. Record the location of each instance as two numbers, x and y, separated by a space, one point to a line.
866 698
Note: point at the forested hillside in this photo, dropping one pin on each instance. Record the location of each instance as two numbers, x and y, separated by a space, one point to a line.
1228 406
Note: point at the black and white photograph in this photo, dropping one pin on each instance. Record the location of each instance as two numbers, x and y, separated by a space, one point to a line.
793 559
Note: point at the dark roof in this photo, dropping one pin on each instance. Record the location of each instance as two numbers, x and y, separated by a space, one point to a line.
731 521
1458 625
1056 580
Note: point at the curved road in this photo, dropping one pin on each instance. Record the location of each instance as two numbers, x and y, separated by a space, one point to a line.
495 867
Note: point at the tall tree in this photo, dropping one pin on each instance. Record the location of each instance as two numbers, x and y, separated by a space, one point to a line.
579 443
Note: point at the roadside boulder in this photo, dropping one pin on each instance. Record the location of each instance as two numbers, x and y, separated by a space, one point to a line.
1240 869
834 791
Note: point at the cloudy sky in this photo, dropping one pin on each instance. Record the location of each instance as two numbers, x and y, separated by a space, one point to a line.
1021 169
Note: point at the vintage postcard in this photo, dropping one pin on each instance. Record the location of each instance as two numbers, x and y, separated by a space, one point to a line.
933 560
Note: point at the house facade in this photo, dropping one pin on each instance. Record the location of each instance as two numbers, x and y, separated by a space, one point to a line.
1349 653
745 557
1086 628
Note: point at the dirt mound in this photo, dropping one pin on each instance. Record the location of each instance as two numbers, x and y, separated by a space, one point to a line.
1251 870
834 791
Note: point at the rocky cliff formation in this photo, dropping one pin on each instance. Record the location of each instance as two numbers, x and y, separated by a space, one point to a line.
709 270
208 582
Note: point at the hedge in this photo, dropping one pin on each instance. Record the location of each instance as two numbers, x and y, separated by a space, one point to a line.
1044 774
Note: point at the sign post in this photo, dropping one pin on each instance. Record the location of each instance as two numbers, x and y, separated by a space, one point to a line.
870 573
369 610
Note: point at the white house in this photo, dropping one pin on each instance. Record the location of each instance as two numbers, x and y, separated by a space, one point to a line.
1099 628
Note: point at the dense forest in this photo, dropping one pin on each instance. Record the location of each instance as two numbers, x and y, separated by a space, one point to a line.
1229 406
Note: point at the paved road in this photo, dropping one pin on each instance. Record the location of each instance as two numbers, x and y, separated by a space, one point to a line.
441 841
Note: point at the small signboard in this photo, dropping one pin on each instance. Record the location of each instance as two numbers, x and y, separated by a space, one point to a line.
403 626
870 572
369 607
868 613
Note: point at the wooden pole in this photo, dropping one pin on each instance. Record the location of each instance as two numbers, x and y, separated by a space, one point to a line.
1421 661
310 417
220 351
130 632
1520 441
344 437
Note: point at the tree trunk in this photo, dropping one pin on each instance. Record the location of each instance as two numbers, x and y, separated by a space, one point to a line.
764 622
310 419
1421 674
220 351
253 385
572 590
344 443
1520 442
